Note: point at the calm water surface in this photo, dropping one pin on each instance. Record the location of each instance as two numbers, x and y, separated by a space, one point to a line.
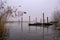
18 31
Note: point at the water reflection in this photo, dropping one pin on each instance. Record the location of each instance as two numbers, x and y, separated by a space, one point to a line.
29 28
30 32
3 32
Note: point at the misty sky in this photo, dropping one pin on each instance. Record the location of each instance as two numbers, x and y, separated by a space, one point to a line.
35 8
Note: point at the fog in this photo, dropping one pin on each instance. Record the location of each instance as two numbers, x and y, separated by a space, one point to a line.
35 8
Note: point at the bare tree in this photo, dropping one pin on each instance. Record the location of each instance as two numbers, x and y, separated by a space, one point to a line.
56 17
5 12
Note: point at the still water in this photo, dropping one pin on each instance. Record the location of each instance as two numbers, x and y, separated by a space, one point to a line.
18 31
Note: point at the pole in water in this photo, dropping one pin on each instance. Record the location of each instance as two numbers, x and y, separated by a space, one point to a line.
43 26
29 19
22 24
36 25
36 19
47 19
29 23
47 22
43 17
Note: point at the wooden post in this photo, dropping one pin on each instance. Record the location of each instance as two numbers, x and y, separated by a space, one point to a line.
47 19
47 22
43 17
36 20
36 25
40 20
22 24
29 23
29 19
43 26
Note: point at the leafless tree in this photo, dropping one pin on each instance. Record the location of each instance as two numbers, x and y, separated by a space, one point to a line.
56 17
5 12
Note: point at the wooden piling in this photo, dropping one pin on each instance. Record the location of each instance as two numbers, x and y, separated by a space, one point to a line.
47 22
43 26
40 20
47 19
43 17
36 25
22 24
29 23
36 19
29 19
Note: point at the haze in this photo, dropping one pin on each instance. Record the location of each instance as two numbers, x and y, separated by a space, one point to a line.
35 8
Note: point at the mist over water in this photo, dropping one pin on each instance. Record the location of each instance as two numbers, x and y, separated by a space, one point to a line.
16 15
25 32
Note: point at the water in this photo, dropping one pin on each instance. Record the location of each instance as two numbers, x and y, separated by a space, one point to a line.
18 31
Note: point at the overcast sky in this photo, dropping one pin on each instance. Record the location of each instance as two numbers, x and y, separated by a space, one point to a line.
35 8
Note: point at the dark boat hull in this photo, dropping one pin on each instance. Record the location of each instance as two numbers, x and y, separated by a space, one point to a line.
39 24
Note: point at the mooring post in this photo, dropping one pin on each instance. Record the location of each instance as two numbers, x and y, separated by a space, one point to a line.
22 24
47 19
29 23
40 20
43 26
29 19
36 25
36 19
43 17
47 22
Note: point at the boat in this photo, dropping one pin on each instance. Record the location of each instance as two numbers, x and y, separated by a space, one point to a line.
39 24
